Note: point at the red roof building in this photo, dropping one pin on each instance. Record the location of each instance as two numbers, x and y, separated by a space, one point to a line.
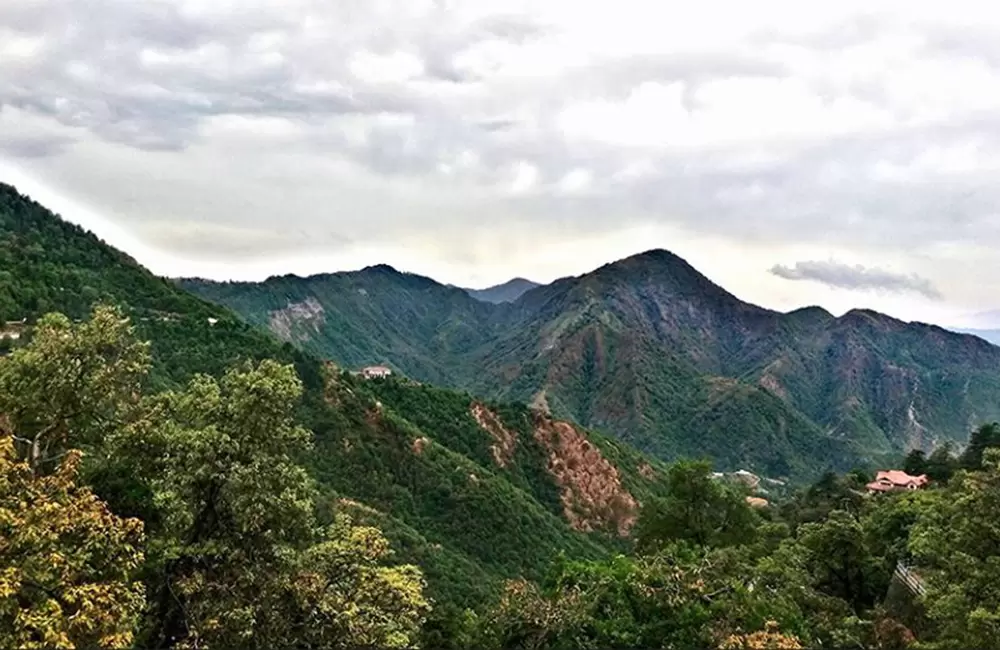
894 480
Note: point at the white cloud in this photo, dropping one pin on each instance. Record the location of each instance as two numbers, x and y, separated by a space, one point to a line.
231 135
525 177
396 67
575 181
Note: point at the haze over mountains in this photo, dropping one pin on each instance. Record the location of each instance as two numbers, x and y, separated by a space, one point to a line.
649 349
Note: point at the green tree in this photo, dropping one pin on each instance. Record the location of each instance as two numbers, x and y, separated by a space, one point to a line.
67 564
915 463
682 597
957 548
698 509
71 385
343 596
840 563
237 557
941 464
983 438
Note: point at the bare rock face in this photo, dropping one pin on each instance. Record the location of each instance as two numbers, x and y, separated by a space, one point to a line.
298 321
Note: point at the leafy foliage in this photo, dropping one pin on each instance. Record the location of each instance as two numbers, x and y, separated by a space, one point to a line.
67 564
72 384
235 555
957 546
698 509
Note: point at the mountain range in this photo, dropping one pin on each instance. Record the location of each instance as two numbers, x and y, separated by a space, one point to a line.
651 351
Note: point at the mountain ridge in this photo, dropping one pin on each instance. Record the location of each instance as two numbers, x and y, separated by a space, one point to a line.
641 348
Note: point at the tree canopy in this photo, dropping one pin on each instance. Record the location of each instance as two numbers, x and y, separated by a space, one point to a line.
234 554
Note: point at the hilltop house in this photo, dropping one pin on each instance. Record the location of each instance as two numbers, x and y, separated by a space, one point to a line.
894 480
375 372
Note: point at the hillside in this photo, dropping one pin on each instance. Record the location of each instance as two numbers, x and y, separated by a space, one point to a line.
376 315
473 492
651 351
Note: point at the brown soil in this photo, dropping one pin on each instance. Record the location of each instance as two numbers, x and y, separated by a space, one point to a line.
771 383
420 444
592 494
504 440
646 471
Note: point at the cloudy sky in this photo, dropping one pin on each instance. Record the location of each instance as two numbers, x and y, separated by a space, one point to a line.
838 153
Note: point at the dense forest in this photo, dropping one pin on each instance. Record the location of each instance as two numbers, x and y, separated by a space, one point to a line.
171 477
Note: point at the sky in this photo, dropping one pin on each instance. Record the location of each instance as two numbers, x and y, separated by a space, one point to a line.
845 154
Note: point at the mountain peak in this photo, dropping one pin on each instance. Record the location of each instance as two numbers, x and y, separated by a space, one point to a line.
662 270
653 256
381 268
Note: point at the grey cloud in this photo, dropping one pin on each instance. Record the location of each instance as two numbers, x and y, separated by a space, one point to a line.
123 98
856 30
856 277
966 41
34 146
511 27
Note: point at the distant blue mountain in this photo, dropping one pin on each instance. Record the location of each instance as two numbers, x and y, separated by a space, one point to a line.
507 292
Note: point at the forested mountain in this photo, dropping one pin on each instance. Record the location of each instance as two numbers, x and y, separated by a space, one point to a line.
653 352
471 491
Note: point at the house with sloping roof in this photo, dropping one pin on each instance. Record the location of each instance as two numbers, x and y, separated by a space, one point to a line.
894 480
375 372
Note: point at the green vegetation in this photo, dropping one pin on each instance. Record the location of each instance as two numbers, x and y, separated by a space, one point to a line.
170 481
697 509
201 529
235 553
813 574
68 566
